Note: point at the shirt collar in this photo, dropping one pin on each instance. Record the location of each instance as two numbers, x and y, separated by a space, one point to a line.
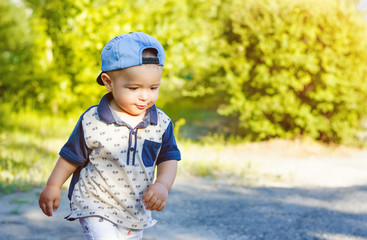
106 115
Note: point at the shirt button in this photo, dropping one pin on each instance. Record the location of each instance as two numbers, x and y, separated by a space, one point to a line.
131 149
133 133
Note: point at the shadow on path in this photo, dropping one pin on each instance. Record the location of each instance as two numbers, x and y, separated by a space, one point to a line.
207 210
200 209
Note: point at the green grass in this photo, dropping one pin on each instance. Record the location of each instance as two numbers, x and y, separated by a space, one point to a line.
30 143
29 147
26 159
217 160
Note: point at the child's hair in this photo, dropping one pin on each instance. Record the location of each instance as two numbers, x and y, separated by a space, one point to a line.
150 52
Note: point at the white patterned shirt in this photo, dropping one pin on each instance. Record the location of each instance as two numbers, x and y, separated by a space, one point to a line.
116 163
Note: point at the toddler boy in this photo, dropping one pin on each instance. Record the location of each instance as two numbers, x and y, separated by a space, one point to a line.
115 146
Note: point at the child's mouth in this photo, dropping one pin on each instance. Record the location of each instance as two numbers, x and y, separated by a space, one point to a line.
141 106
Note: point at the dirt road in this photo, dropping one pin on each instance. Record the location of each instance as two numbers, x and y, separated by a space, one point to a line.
201 209
318 197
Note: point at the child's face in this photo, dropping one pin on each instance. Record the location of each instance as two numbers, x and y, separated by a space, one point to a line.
135 89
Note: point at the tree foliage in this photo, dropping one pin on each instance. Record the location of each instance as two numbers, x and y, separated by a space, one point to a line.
288 68
19 59
278 68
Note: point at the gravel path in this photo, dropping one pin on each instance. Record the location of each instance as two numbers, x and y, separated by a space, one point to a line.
201 209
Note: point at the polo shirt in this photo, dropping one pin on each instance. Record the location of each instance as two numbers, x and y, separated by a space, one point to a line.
116 163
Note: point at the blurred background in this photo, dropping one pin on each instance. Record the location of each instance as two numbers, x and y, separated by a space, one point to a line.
239 75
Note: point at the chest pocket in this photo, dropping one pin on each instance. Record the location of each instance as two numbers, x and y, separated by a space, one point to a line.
150 151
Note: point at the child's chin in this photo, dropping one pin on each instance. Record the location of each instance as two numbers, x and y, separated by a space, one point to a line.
137 113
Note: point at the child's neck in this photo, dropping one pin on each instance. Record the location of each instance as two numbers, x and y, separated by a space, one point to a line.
133 121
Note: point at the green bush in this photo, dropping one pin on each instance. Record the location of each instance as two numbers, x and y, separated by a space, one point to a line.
277 68
285 68
61 57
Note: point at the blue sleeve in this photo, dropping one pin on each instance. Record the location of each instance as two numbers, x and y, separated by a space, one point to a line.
75 149
169 150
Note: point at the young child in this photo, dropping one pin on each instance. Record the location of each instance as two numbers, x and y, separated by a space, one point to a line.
115 146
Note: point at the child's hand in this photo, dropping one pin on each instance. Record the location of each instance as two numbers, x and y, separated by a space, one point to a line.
49 200
155 197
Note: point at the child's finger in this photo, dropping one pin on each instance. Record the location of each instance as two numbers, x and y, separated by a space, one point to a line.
156 205
151 202
43 207
147 196
162 206
49 207
56 204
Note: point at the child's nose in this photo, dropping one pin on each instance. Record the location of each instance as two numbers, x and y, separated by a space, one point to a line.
143 95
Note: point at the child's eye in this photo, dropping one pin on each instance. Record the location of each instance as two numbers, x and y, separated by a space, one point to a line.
133 88
154 88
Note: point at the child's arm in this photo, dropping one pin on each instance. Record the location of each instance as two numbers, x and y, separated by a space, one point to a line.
50 196
155 197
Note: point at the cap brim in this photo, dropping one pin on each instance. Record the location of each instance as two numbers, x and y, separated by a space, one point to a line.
99 79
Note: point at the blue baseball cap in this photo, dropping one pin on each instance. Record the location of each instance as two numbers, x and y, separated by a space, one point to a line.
126 50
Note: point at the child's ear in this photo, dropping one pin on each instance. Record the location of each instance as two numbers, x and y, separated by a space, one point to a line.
107 81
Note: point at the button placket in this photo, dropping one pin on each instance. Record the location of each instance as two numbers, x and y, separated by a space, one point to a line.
130 147
135 134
